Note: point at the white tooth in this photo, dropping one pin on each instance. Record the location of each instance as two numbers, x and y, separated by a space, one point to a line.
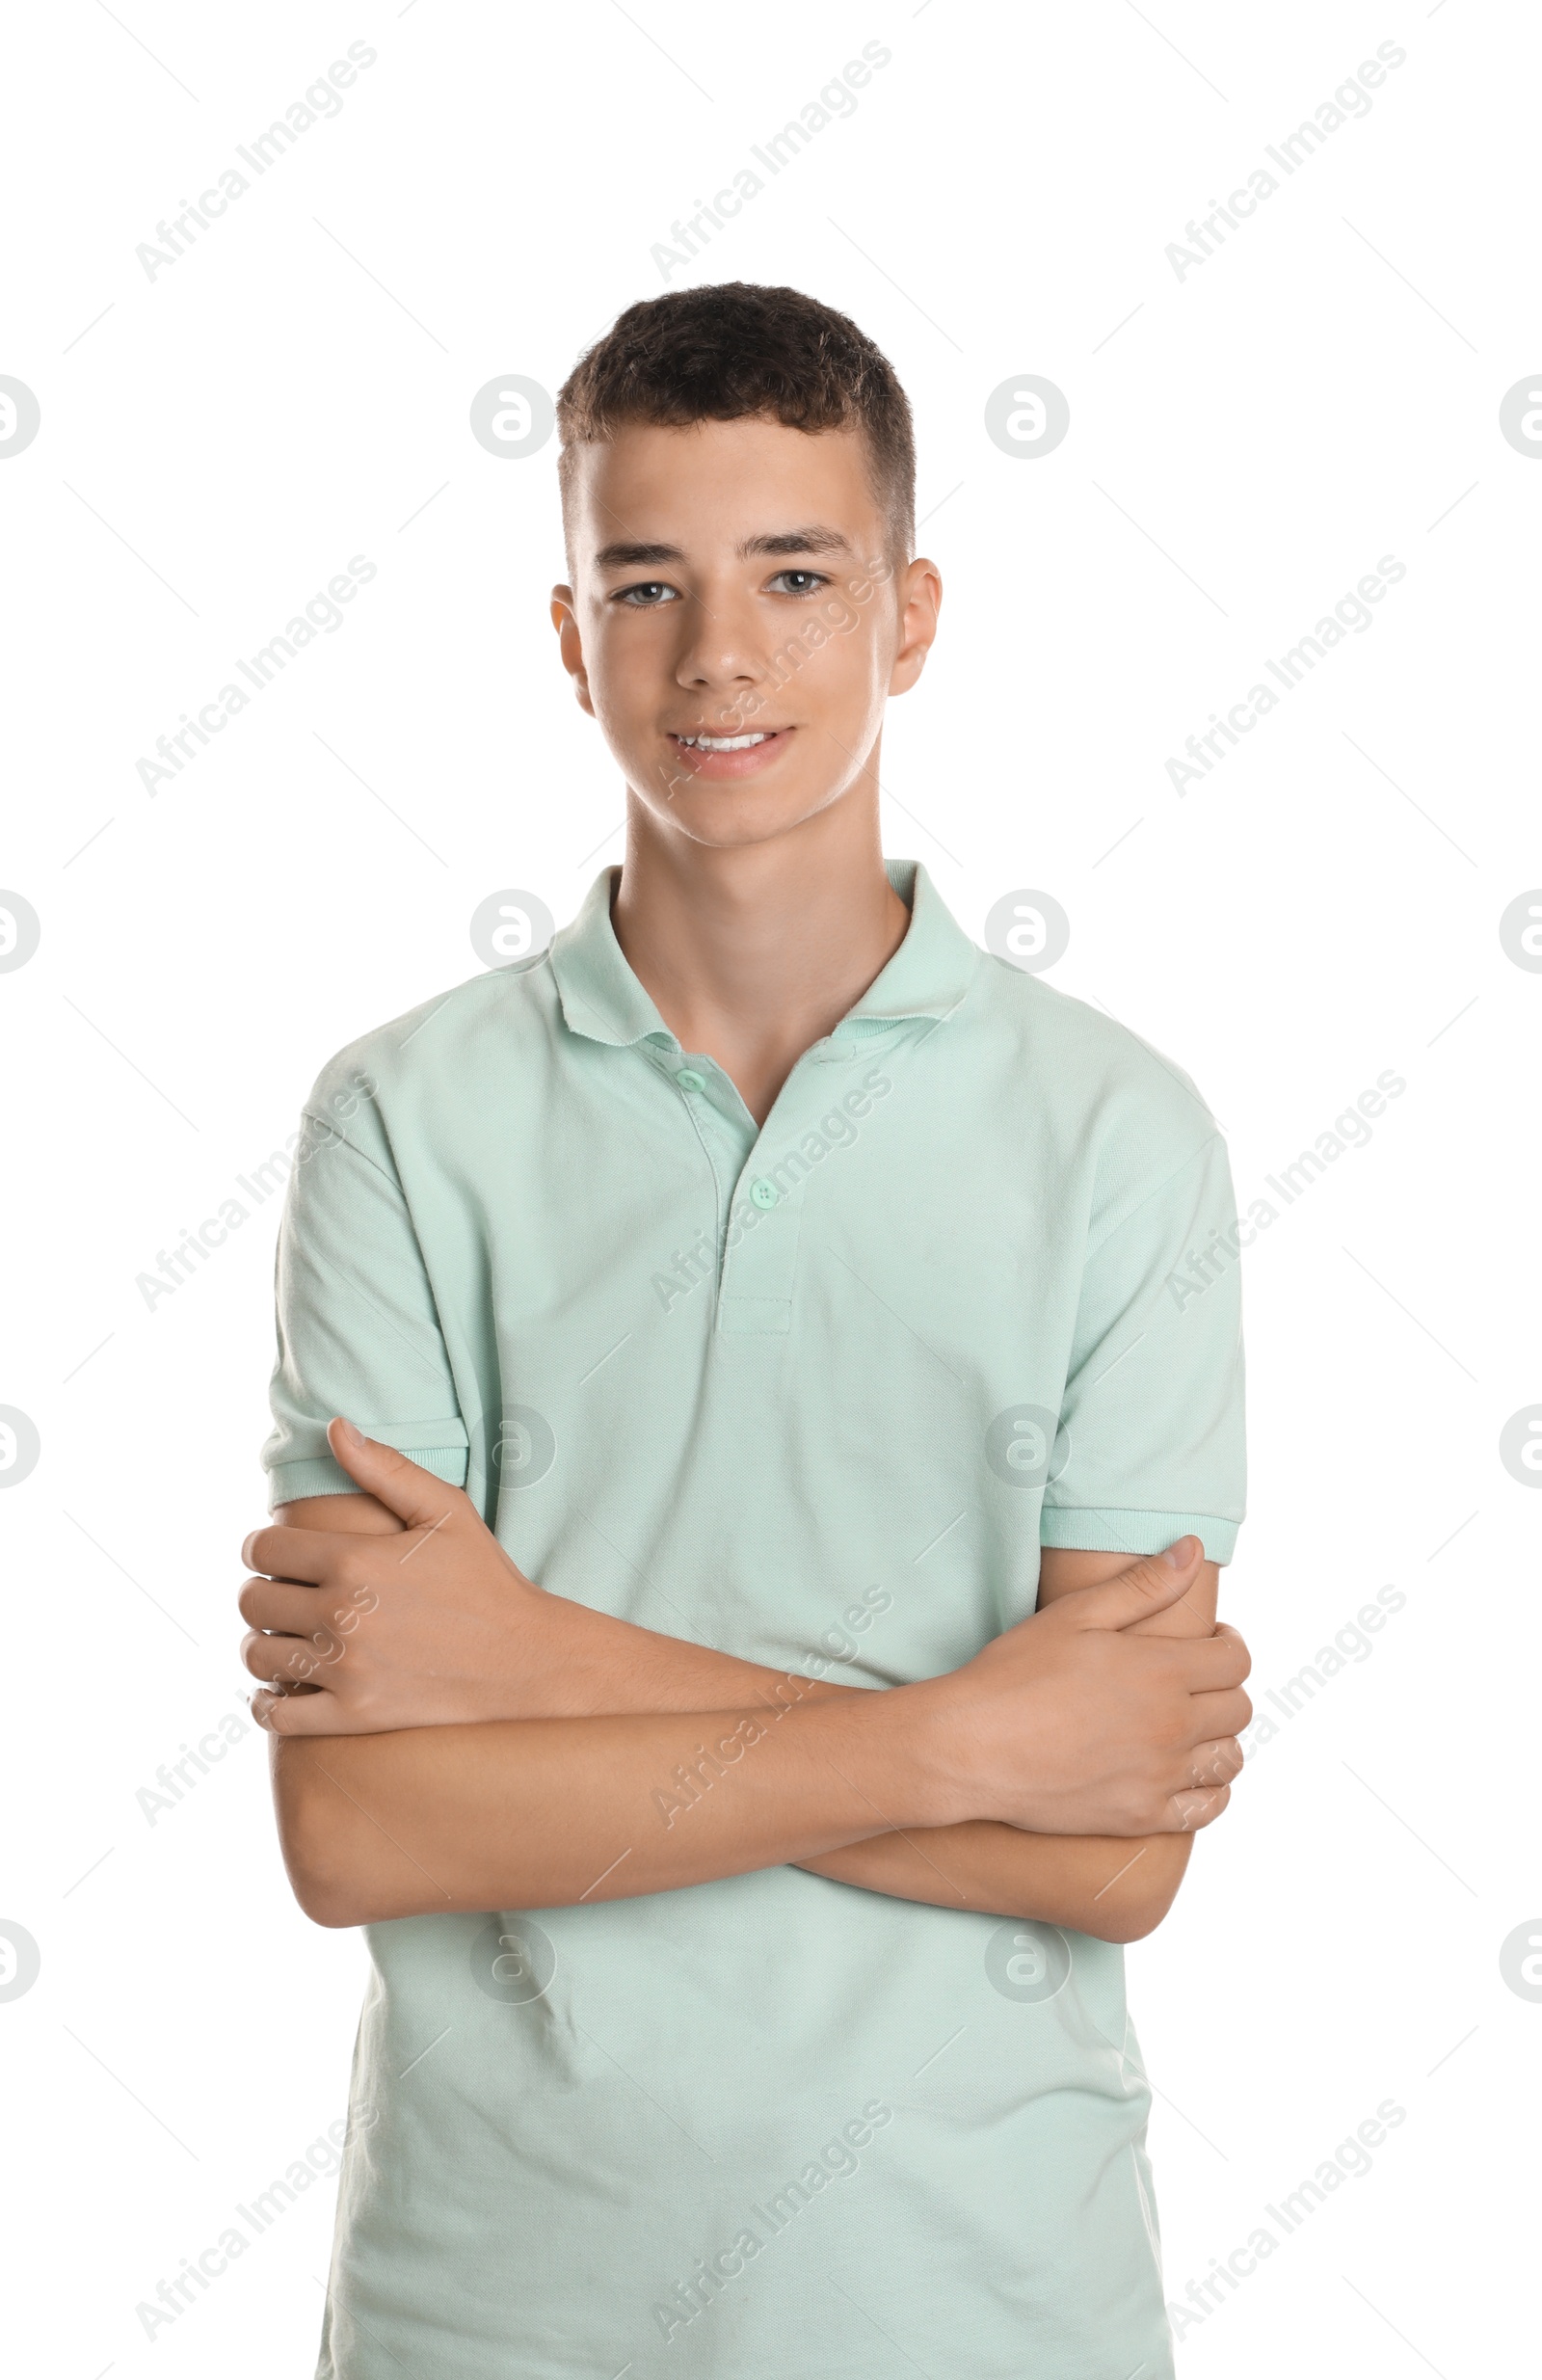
723 743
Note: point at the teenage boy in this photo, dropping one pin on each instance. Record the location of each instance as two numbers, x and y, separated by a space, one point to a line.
755 1659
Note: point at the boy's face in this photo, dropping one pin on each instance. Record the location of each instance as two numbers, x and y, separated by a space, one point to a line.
735 580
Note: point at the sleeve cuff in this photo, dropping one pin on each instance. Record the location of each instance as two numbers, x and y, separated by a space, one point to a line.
1110 1530
288 1481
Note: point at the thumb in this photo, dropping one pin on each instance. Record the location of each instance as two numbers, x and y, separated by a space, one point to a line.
1149 1585
404 1487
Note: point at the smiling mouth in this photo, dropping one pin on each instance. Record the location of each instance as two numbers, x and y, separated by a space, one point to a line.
726 744
727 759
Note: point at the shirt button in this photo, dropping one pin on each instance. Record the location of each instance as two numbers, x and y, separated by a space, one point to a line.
690 1080
763 1192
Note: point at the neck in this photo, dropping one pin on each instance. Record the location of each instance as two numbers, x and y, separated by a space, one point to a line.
751 954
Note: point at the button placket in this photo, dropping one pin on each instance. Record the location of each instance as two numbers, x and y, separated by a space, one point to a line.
765 1220
724 1137
759 1262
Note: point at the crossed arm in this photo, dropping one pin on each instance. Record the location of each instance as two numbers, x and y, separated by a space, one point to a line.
468 1742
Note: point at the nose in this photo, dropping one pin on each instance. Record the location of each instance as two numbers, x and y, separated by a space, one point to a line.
721 654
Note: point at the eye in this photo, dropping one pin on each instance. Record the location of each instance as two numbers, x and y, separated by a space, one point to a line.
648 596
812 581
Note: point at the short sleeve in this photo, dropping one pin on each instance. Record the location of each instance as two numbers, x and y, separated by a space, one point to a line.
1152 1438
358 1332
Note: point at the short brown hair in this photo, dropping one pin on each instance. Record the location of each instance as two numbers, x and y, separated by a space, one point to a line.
735 349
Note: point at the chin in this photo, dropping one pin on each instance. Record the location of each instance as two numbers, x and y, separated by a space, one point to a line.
728 822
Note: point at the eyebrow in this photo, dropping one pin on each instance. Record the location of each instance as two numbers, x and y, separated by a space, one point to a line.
813 539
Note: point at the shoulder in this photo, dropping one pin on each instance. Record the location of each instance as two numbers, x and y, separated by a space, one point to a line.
442 1044
1133 1113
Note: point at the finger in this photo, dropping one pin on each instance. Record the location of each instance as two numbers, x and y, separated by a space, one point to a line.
1203 1767
286 1660
414 1495
1216 1715
1233 1636
1203 1664
1196 1809
1218 1762
1149 1585
301 1714
274 1604
306 1555
280 1712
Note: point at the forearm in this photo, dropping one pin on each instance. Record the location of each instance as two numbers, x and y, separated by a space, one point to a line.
545 1813
1113 1887
580 1662
554 1658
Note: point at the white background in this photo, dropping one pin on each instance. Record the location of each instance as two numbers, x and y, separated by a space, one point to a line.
1245 443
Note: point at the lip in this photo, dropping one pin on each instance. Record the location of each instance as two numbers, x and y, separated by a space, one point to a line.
720 765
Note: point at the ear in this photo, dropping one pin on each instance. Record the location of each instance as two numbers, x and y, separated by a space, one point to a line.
919 591
565 620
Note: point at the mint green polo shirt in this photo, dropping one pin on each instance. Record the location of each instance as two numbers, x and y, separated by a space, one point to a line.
815 1393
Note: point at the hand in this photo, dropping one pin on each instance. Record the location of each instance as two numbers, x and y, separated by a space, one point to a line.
358 1634
1073 1723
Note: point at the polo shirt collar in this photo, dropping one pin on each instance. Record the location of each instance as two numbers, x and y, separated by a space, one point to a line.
602 997
934 964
